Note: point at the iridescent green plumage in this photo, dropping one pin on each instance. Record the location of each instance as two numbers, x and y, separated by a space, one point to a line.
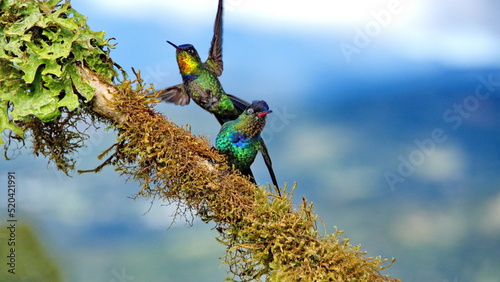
240 139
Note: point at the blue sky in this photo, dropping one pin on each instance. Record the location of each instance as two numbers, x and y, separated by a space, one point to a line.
460 35
340 121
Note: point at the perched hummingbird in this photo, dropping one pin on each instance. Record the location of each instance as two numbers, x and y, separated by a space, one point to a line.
201 83
240 139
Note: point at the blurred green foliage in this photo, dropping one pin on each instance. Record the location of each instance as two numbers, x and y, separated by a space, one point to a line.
32 262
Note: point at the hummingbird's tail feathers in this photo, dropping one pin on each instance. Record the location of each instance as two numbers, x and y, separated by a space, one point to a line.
269 164
214 61
238 103
175 94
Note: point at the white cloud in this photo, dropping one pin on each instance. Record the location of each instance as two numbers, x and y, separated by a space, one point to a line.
462 35
444 164
320 144
317 12
421 228
63 201
467 47
352 183
78 201
490 223
325 151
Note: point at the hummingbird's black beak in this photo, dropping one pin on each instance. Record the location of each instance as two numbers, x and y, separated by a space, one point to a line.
175 46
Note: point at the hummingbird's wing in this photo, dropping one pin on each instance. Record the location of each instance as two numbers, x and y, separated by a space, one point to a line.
175 94
238 103
214 61
267 160
221 120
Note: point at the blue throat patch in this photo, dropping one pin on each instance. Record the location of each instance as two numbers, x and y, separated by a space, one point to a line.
239 139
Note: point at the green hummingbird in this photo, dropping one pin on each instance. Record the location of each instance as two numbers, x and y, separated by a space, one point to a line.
201 83
240 139
200 79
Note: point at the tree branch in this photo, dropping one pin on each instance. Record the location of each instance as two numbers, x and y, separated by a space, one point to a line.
104 95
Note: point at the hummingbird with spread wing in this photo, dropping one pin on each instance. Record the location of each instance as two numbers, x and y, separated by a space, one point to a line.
200 79
200 83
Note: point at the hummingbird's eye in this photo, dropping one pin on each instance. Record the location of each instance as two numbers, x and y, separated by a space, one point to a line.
250 111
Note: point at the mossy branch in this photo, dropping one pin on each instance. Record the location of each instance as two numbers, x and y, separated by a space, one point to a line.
266 235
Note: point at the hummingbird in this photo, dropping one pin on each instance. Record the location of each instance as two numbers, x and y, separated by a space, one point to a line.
240 139
200 79
200 83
